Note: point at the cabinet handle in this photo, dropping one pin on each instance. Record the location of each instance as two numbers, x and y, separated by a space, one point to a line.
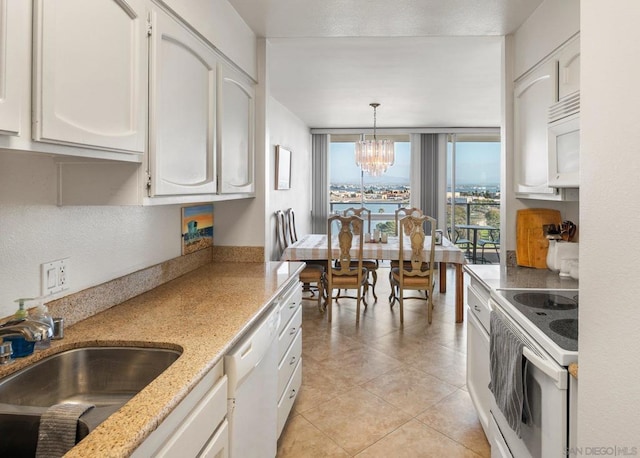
293 305
293 394
293 331
293 361
477 309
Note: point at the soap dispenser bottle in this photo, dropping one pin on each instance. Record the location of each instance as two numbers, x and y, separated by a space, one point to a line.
20 346
21 313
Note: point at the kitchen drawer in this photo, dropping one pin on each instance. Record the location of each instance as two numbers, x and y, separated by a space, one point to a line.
290 304
195 430
479 305
289 361
289 396
218 445
289 333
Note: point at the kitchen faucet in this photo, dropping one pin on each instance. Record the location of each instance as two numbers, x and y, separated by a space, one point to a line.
31 330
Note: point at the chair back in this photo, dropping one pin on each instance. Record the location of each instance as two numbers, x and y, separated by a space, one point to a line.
458 236
282 234
405 211
414 268
362 212
494 235
291 225
348 228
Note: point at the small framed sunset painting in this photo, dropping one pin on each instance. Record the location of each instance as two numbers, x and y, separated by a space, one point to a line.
197 228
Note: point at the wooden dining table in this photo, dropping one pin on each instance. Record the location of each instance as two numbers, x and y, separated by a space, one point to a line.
315 247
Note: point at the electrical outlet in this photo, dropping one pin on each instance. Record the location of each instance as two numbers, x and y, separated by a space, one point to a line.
54 276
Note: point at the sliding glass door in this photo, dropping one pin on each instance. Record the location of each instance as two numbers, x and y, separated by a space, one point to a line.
473 188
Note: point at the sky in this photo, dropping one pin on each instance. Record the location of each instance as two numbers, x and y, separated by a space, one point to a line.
476 163
344 169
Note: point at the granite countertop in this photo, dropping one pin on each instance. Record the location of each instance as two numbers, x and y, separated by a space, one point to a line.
493 276
202 313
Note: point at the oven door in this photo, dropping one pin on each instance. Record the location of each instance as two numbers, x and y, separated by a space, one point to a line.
547 395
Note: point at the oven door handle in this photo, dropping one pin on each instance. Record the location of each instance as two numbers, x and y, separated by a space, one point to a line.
557 373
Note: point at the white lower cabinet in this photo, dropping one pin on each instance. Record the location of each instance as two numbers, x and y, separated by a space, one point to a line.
197 426
290 354
289 396
478 372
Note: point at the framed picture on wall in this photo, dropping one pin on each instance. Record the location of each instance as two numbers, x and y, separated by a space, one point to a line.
197 227
283 168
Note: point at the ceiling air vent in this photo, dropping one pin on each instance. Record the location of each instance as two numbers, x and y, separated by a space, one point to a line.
565 107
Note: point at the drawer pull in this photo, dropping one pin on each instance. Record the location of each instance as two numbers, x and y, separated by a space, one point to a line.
293 305
293 361
293 394
293 331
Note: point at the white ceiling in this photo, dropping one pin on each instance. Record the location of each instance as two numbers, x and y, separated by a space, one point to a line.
429 63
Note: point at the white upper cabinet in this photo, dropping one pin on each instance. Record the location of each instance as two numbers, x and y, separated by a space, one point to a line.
90 75
533 95
569 69
13 18
236 121
182 110
546 127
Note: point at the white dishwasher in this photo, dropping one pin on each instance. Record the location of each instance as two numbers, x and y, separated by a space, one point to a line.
252 371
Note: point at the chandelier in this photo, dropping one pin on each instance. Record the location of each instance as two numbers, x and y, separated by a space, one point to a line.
374 156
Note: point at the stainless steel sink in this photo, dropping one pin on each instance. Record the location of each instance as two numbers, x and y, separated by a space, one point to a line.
106 377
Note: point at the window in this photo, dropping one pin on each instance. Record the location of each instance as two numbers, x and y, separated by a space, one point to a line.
473 182
349 187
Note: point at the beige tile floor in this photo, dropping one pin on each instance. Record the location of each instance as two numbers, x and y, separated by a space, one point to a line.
381 389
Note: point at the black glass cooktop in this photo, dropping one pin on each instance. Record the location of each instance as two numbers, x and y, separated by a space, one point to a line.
552 312
547 301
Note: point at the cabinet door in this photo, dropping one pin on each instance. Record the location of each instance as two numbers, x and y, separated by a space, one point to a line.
13 23
569 69
533 96
182 102
236 132
91 73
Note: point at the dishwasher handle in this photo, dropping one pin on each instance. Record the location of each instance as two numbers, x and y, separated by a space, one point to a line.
252 348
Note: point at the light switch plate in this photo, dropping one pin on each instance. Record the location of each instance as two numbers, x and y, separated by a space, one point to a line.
54 276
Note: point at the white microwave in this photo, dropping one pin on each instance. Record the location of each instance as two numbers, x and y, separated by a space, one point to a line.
564 143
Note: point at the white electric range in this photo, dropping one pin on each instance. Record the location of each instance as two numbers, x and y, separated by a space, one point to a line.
546 322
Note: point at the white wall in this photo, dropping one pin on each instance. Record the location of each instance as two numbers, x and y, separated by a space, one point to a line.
609 397
101 242
289 131
550 25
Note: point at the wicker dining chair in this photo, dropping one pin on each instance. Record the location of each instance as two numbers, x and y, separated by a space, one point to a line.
313 275
345 274
413 276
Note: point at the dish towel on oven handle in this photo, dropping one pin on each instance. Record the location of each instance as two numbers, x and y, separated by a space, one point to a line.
506 373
